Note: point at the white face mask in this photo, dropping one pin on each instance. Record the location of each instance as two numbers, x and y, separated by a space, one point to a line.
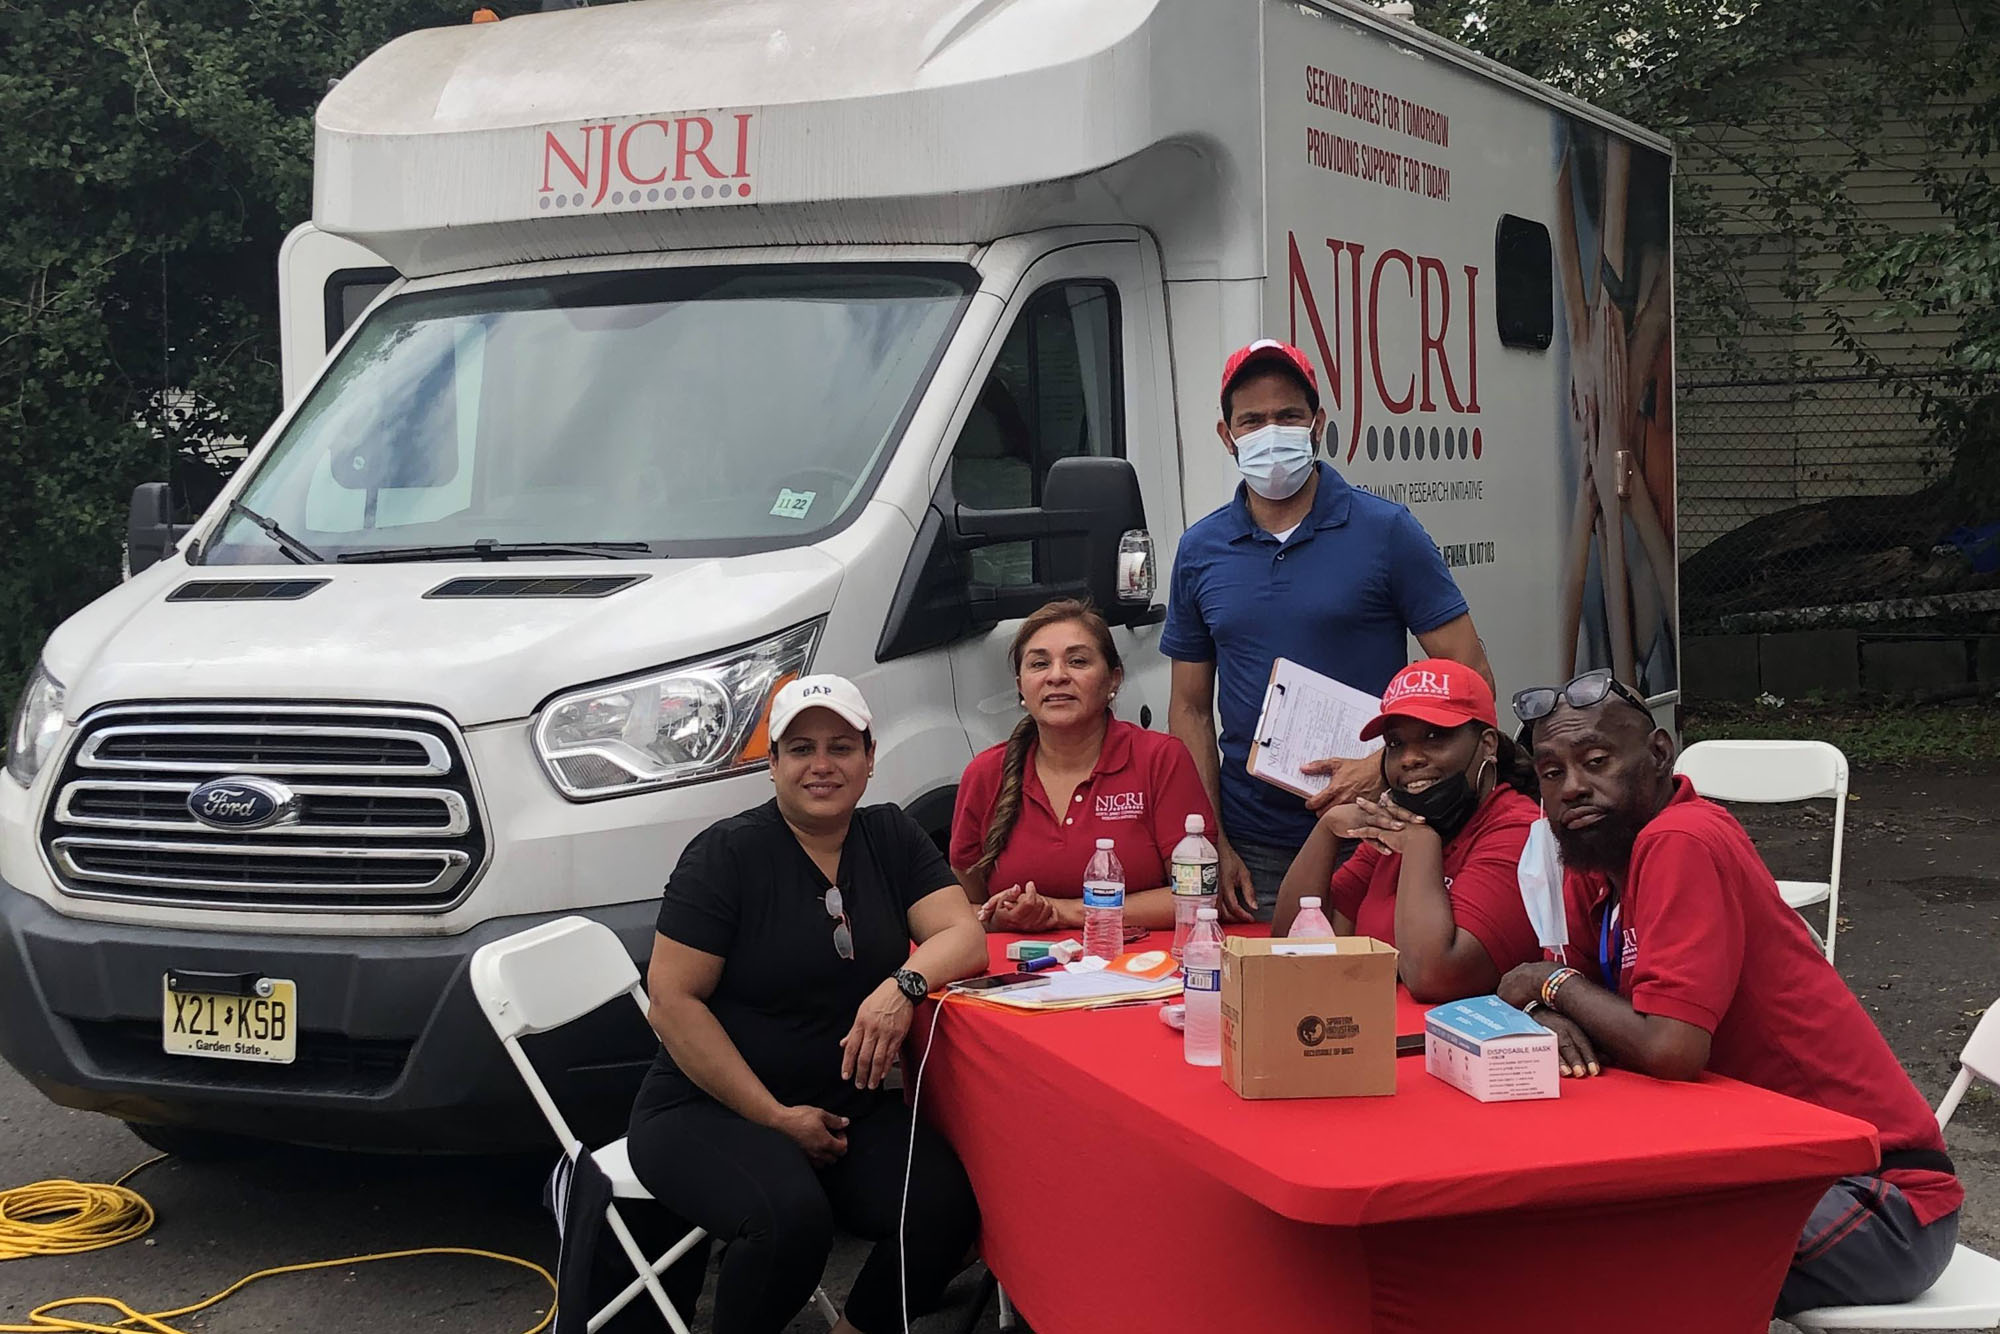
1276 460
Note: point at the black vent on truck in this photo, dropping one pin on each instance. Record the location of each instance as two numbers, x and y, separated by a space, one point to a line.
537 586
245 590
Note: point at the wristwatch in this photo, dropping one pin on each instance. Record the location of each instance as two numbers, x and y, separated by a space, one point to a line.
912 984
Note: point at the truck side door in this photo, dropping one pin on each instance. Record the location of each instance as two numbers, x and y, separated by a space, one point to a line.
1079 368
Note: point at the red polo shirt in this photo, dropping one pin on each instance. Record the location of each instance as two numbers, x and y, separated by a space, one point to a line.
1480 873
1139 796
1706 939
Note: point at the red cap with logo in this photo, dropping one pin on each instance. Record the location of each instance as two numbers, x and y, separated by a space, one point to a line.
1438 691
1270 350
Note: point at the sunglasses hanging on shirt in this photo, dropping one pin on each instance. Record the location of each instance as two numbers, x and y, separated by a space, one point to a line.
843 934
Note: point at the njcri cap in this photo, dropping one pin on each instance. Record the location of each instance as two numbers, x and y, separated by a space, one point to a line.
836 693
1277 353
1439 691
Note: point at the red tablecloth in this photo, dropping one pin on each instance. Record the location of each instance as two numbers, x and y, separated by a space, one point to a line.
1123 1189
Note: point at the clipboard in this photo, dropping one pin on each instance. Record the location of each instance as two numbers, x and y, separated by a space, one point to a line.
1307 716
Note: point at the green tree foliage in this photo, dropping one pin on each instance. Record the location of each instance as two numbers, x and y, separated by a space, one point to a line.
1754 85
152 158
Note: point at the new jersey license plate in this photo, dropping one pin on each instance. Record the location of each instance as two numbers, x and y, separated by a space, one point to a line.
231 1028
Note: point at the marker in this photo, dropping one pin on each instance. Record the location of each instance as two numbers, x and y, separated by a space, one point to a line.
1037 965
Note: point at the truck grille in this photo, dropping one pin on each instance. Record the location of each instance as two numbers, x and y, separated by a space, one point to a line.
382 815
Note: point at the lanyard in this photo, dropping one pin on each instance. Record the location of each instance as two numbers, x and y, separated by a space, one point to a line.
1610 948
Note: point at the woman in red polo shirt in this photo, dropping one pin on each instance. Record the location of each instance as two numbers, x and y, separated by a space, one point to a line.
1436 871
1030 810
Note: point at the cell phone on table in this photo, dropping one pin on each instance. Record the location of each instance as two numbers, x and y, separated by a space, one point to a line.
993 982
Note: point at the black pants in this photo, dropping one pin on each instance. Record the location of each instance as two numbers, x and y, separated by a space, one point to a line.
756 1192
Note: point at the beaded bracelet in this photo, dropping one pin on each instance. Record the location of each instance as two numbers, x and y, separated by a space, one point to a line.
1553 983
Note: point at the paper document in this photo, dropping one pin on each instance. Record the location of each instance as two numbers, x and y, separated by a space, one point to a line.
1075 991
1308 717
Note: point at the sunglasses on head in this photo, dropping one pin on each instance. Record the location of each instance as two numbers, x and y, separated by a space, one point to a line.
1582 692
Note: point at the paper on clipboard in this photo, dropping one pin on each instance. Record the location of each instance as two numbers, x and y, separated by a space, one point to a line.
1307 717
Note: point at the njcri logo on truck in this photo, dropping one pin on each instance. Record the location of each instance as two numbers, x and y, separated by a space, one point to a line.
1401 329
668 161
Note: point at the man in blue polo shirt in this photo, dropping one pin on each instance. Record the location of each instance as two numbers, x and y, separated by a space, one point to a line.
1297 565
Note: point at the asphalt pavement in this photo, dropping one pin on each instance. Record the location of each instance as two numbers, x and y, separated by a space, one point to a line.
1920 941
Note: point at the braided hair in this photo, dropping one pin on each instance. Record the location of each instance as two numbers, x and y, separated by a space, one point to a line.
1014 762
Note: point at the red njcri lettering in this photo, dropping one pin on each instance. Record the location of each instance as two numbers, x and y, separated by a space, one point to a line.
645 152
1427 367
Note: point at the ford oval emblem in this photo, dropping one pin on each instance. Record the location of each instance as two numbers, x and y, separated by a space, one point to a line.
242 803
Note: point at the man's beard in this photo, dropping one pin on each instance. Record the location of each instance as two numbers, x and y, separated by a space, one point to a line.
1604 846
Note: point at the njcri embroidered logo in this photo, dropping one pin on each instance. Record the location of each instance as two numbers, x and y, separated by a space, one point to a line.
1426 684
1121 806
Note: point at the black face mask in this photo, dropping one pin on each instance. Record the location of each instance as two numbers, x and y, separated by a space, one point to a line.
1446 805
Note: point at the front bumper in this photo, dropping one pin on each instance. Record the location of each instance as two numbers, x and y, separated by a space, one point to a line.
393 1052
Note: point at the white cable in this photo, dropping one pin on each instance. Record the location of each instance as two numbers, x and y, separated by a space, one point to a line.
909 1161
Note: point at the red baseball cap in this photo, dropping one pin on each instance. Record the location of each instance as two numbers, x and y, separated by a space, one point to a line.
1271 350
1436 690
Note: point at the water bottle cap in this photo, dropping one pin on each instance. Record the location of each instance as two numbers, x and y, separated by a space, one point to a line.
1195 824
1309 902
1105 845
1204 915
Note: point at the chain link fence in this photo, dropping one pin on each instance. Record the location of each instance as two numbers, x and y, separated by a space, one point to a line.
1824 500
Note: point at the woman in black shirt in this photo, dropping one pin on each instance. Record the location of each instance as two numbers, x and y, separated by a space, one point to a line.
783 983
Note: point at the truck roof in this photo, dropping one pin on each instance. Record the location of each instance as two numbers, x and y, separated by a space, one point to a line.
664 124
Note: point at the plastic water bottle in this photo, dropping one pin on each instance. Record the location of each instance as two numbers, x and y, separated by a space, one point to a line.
1201 990
1310 921
1195 882
1104 903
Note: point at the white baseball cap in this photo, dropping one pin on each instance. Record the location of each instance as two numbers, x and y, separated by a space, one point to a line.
818 692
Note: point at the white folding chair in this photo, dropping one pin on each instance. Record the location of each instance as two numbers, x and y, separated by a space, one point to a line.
541 979
1779 771
1967 1294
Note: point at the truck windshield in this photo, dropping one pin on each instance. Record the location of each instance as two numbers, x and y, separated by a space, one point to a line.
665 412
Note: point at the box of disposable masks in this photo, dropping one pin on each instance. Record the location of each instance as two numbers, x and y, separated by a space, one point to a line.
1491 1050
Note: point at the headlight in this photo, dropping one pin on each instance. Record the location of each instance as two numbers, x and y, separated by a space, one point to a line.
37 721
693 721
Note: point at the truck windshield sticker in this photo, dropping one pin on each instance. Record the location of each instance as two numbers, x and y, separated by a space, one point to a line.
793 504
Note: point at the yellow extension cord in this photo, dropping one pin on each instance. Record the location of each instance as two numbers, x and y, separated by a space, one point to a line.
70 1217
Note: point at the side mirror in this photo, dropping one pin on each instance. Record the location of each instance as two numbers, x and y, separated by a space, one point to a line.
150 530
1112 561
1091 542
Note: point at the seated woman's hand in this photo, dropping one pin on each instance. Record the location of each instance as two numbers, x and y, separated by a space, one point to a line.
1021 910
870 1046
1387 824
1344 820
819 1132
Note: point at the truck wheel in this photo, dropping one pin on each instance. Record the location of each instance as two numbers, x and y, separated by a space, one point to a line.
195 1145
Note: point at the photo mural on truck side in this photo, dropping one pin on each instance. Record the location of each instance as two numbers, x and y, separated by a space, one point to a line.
1616 336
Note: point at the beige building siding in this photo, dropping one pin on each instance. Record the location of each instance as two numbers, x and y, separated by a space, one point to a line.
1791 418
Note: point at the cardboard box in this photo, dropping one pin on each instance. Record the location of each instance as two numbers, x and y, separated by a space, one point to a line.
1309 1018
1491 1050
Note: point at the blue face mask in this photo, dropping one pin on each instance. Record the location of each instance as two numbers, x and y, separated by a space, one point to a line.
1276 460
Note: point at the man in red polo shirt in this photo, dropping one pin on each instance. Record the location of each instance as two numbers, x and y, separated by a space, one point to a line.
1691 961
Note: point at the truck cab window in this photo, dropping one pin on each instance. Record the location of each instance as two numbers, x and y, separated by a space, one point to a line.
1054 392
348 293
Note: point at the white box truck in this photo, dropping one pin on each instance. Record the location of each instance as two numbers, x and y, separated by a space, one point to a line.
640 356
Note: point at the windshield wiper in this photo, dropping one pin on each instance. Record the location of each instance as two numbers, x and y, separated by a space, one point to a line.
487 548
298 552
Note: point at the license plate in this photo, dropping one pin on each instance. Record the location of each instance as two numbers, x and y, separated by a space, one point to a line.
231 1028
